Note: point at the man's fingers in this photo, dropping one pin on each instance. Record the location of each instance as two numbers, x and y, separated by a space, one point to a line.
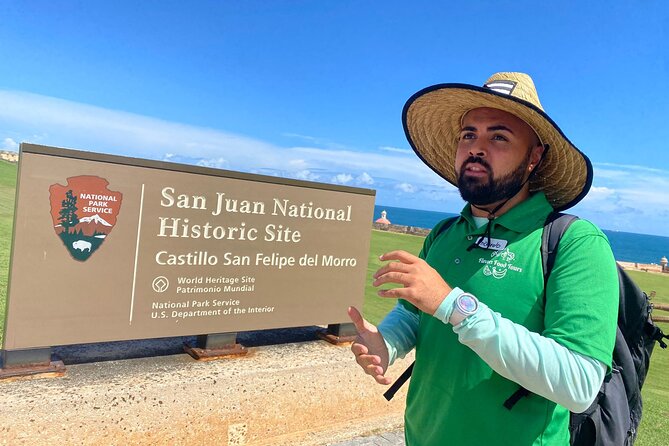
368 360
394 267
402 256
357 319
383 379
373 370
396 293
369 340
359 349
370 365
393 277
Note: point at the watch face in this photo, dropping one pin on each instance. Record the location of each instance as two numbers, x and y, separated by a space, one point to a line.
467 304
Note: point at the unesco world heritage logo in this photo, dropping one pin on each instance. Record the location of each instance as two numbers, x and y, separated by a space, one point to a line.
160 284
84 212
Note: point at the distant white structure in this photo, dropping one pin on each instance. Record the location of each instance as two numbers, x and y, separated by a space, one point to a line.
663 263
12 157
383 220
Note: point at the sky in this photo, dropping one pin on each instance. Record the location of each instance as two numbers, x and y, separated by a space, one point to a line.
314 90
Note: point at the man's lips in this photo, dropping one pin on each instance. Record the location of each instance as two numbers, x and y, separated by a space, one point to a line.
475 170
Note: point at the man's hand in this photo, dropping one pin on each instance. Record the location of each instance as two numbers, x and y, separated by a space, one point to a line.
421 284
369 348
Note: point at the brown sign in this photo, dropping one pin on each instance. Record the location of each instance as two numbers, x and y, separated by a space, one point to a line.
112 248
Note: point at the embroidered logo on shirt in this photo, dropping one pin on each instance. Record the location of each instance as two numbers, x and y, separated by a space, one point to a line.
500 263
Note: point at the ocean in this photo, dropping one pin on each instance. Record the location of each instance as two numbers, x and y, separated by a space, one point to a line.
626 246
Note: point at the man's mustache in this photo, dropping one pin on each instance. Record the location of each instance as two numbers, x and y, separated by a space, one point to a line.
475 160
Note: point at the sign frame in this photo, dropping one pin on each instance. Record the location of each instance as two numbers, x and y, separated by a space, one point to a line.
295 232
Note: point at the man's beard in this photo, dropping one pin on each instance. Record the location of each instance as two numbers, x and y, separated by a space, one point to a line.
495 190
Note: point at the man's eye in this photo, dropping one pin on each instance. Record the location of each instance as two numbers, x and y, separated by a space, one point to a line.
468 135
500 138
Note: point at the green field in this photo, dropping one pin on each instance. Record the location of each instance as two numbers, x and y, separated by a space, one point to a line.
7 189
655 423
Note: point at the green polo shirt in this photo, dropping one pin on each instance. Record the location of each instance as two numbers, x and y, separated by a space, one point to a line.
454 396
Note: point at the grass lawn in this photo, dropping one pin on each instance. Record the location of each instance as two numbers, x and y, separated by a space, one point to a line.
654 426
7 189
654 429
375 307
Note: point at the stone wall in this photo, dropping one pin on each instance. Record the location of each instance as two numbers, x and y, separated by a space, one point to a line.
412 230
12 157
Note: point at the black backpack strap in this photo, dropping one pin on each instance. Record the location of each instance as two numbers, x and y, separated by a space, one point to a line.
390 393
555 226
443 226
392 390
656 334
517 395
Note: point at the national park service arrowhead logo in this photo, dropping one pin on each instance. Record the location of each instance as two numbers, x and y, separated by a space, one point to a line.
84 212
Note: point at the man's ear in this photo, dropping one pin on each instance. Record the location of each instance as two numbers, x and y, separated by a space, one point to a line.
536 155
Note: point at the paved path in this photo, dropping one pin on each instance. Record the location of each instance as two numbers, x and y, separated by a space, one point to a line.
149 392
395 438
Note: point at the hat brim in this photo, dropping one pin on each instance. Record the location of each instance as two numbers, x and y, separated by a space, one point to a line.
432 120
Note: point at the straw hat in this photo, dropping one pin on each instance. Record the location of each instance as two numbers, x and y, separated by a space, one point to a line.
432 122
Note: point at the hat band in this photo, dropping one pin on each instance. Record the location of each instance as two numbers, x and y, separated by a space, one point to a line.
504 87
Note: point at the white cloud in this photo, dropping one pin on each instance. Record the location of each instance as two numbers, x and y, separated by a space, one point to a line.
639 185
86 127
302 137
298 164
624 197
602 167
64 123
218 163
651 200
608 174
396 150
600 193
627 198
306 175
612 174
406 187
10 145
375 164
601 199
342 178
317 141
365 179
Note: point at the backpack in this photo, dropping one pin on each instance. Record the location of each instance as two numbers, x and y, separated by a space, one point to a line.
614 416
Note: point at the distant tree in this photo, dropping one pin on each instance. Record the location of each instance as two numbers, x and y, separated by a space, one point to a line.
68 211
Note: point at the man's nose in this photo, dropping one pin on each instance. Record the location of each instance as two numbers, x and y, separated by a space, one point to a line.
479 148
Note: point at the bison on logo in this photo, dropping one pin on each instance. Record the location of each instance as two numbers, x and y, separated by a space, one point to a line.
84 212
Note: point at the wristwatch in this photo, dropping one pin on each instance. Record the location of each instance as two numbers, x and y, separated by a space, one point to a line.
465 305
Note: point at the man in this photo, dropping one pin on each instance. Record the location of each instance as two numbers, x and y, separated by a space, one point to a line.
473 302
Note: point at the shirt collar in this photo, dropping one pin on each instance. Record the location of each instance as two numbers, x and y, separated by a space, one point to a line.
522 217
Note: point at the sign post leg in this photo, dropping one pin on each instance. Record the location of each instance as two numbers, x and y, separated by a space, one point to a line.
215 346
30 363
339 333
